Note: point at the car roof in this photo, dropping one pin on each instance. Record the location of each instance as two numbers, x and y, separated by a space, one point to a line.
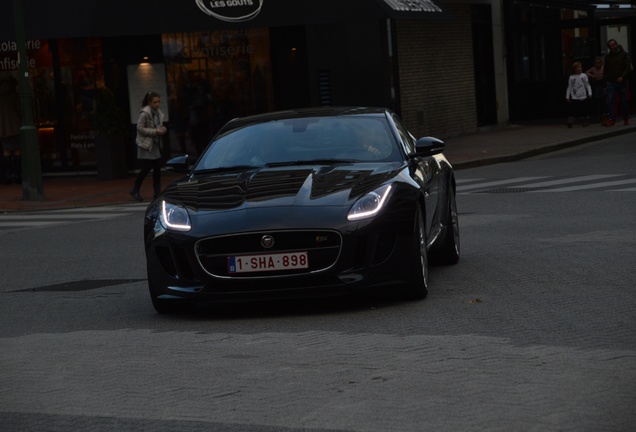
301 113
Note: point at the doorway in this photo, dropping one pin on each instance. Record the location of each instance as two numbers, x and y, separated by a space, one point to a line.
484 61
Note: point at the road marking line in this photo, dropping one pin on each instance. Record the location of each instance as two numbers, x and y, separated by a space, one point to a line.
27 224
458 181
49 216
499 183
131 207
591 186
572 180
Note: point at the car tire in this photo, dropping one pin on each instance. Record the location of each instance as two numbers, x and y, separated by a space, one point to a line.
449 251
418 286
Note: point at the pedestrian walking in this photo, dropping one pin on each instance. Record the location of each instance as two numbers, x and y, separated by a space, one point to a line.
577 95
615 72
150 130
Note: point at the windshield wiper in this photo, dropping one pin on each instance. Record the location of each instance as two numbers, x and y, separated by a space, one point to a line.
311 162
227 168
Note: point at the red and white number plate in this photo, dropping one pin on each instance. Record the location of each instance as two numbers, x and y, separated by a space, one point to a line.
267 262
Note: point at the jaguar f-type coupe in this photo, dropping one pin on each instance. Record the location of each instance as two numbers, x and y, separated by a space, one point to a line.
303 203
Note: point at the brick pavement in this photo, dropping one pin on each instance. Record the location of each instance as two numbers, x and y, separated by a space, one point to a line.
322 380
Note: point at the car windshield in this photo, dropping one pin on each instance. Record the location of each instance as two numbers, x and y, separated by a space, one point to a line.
299 140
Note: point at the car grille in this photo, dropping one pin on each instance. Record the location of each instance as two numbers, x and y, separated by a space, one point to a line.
322 247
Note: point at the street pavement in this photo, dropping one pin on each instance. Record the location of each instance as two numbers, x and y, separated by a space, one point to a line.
523 365
486 146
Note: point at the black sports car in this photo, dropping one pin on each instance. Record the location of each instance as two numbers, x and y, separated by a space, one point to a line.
309 202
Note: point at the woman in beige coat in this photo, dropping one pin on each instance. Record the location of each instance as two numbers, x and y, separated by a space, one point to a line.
150 129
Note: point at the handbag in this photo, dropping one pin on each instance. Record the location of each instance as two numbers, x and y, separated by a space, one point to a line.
145 141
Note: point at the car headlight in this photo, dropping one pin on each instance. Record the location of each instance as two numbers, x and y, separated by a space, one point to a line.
370 204
174 217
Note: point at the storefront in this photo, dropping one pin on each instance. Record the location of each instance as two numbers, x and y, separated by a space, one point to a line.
545 38
210 61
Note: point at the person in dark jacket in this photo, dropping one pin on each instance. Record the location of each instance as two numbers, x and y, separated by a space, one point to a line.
615 72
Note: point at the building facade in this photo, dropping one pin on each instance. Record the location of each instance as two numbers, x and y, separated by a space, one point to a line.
543 40
212 61
447 68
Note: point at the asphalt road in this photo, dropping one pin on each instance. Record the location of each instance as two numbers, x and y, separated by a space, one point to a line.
534 329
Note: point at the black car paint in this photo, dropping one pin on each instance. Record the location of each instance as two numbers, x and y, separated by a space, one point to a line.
281 199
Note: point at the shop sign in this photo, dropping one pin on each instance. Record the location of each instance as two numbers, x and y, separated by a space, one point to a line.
84 140
231 10
9 54
413 5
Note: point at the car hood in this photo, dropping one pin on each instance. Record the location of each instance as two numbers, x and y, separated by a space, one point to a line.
335 185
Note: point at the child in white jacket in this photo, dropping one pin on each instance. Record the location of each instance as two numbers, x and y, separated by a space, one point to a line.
577 95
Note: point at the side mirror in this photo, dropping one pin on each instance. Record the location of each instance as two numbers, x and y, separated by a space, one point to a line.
428 146
179 164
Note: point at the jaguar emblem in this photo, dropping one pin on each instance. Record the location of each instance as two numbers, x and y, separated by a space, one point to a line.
267 241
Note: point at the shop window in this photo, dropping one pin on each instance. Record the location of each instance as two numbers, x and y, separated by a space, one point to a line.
576 46
531 63
573 14
619 32
213 77
64 94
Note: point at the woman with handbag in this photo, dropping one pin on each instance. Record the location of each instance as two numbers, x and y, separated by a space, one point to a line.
150 129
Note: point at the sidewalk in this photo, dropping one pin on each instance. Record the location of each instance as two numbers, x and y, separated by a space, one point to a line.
496 145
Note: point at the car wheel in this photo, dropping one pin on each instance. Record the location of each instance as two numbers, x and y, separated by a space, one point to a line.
449 251
418 286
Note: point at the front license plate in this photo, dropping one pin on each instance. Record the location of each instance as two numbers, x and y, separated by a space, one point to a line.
267 262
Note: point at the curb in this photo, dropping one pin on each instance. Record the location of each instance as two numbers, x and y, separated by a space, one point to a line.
538 151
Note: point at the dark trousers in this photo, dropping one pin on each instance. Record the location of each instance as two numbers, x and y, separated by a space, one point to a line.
598 97
614 88
146 166
579 108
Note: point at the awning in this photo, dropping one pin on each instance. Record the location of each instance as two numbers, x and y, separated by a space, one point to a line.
601 9
607 10
413 9
46 19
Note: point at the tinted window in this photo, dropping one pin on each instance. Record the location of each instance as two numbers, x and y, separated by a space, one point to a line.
358 138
